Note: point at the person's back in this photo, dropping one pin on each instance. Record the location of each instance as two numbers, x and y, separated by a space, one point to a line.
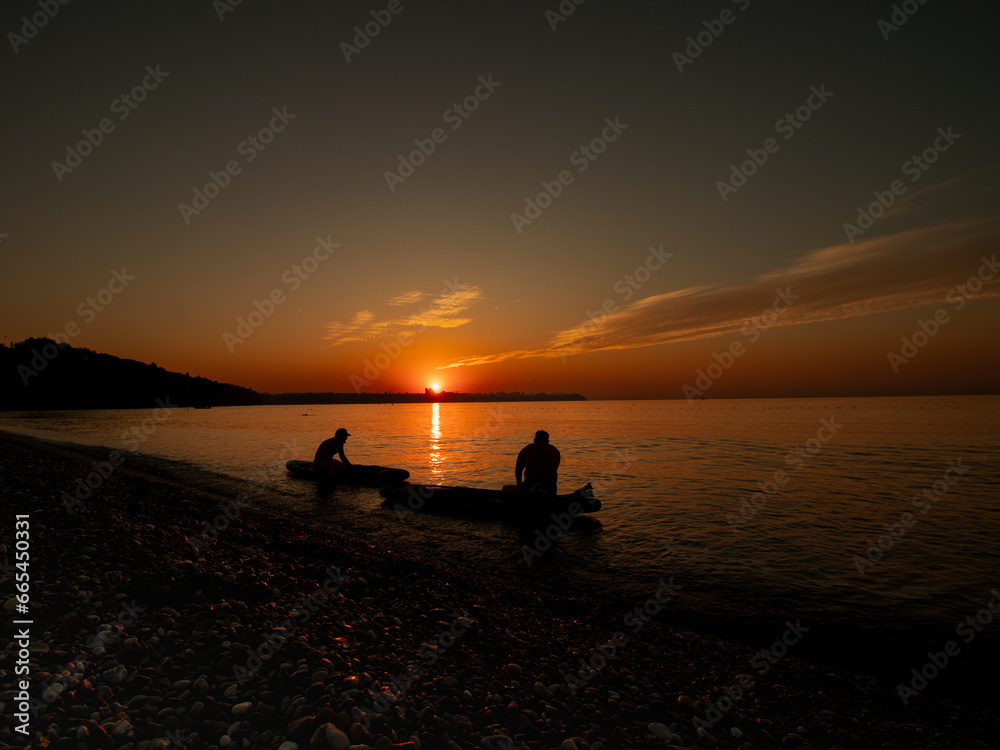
540 463
328 449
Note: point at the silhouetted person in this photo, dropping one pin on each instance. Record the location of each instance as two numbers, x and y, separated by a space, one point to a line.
324 463
540 463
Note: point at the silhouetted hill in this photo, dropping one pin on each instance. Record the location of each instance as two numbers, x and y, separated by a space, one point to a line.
40 374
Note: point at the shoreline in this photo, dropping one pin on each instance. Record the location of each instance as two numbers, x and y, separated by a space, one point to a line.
879 641
491 654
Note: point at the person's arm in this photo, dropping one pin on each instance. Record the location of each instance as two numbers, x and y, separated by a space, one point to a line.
518 469
343 457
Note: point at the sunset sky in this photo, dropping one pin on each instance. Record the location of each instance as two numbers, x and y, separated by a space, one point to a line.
505 196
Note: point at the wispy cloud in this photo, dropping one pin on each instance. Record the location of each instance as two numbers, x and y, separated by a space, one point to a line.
444 312
913 200
903 270
407 298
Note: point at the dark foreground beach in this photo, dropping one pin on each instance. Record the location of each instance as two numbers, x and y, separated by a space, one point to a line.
145 634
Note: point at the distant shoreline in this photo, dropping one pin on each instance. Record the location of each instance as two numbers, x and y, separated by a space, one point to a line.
428 397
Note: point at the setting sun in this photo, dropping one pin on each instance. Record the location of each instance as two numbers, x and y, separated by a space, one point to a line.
435 387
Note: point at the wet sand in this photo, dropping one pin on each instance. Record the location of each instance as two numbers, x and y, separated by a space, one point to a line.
272 634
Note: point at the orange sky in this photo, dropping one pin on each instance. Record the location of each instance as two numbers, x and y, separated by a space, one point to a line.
480 200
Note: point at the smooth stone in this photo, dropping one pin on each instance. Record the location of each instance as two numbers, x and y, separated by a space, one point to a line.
241 708
328 736
116 675
288 745
660 730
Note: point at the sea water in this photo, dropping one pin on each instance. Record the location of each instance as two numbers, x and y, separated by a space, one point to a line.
879 513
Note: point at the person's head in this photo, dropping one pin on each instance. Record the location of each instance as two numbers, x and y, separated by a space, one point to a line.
341 434
541 436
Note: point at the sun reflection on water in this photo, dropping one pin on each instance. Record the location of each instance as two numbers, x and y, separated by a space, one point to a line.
436 459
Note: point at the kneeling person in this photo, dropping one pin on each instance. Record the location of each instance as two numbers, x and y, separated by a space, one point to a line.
325 465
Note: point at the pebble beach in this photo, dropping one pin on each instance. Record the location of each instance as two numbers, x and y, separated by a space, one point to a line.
146 634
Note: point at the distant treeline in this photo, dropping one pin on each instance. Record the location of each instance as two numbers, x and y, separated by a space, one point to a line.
411 398
40 374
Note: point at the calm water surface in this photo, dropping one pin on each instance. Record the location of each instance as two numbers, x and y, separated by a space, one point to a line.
831 477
